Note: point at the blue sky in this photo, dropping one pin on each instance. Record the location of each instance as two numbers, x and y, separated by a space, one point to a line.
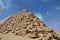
46 10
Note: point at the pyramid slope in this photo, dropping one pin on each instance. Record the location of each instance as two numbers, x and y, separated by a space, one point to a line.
24 23
4 19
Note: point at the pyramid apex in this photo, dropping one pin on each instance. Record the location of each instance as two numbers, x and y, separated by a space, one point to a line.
24 10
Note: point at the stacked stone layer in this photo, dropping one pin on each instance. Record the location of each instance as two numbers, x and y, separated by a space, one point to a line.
24 23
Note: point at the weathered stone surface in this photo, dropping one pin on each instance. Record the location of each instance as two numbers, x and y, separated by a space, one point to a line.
24 23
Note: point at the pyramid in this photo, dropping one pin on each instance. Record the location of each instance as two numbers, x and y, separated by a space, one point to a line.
25 24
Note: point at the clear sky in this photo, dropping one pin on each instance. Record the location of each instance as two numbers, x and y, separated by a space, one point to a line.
46 10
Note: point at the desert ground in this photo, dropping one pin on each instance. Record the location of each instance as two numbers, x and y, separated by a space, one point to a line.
10 36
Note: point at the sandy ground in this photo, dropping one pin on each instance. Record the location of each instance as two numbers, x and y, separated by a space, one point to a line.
10 36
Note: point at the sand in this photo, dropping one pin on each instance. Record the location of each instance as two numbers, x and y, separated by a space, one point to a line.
10 36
